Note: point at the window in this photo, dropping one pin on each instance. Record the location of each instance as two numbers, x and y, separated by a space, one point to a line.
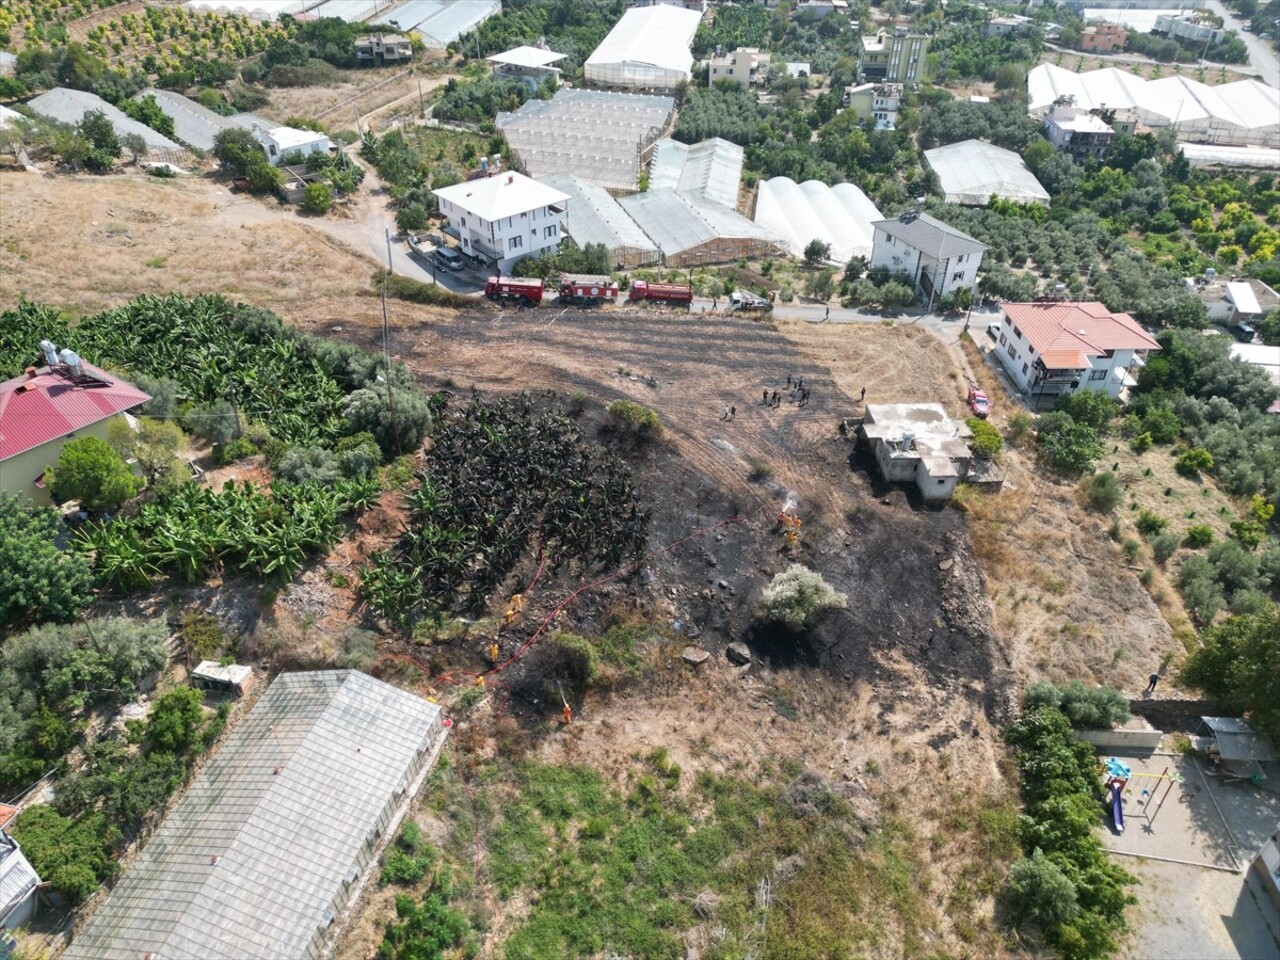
1017 333
1002 340
516 242
957 276
524 216
1097 375
551 231
1024 369
1013 353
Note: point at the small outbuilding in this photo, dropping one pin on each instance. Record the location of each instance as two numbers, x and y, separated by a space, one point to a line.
918 443
533 65
19 882
222 678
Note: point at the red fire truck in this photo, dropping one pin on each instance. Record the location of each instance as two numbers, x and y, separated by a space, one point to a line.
514 288
576 288
662 292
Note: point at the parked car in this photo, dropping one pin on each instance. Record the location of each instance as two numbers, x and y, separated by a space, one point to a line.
449 258
978 403
993 331
1243 332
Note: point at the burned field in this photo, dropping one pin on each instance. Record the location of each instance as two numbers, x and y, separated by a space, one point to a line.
712 489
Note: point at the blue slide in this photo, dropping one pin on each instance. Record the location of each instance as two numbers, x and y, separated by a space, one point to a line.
1117 807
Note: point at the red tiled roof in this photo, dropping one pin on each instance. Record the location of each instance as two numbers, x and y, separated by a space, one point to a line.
7 813
1066 334
36 410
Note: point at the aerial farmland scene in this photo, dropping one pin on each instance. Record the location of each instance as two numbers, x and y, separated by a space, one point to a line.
639 479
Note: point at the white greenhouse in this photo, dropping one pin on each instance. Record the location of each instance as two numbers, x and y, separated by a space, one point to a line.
710 169
972 172
648 49
691 231
796 214
600 136
1241 113
593 216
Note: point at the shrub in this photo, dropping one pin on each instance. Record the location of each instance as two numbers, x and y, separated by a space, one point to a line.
1020 426
1234 567
175 720
1093 408
72 854
798 596
815 251
1198 535
1104 492
1130 548
1249 532
1238 661
38 582
1163 425
1141 443
368 410
1164 545
415 291
317 198
634 418
90 471
236 449
1191 463
309 465
1248 602
1149 524
411 218
215 421
986 441
1040 892
1086 707
1068 446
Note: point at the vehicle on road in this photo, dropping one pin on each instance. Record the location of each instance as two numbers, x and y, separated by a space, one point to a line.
978 403
1243 332
526 289
661 292
449 258
746 300
577 288
993 331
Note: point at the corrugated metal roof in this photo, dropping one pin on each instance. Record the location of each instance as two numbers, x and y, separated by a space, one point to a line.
17 877
34 412
409 15
257 857
70 106
443 27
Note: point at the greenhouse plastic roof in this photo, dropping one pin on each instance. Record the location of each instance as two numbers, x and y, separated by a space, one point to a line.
69 106
1247 108
593 216
593 134
258 9
971 171
679 221
193 124
527 57
252 860
7 115
795 214
709 169
441 21
352 11
1208 154
658 36
17 877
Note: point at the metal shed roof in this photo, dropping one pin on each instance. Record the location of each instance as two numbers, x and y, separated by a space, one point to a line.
260 854
1237 740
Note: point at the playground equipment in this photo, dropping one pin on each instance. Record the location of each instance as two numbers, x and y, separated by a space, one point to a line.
1118 775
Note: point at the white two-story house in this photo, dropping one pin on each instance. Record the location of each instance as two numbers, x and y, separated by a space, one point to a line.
505 217
938 259
1051 348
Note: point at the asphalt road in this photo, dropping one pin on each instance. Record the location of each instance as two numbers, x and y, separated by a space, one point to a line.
1262 56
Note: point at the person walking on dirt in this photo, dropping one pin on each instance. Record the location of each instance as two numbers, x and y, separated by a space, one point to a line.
1151 683
725 414
715 303
863 397
766 398
733 412
827 315
788 380
777 399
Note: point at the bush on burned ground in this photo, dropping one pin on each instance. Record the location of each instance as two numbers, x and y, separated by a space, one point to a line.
798 596
1104 492
635 419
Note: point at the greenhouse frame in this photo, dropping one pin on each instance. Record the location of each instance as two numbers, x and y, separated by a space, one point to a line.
600 136
193 123
710 169
280 830
594 216
647 49
795 214
972 172
69 106
691 231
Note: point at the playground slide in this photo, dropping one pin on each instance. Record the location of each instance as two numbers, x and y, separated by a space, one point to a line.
1117 807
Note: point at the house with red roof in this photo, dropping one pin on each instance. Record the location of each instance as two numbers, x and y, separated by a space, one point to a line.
47 406
1051 348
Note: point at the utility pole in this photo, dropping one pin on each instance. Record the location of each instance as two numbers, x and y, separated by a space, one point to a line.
386 352
390 268
422 107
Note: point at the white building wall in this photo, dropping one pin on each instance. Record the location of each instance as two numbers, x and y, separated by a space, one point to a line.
506 240
1018 357
948 275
